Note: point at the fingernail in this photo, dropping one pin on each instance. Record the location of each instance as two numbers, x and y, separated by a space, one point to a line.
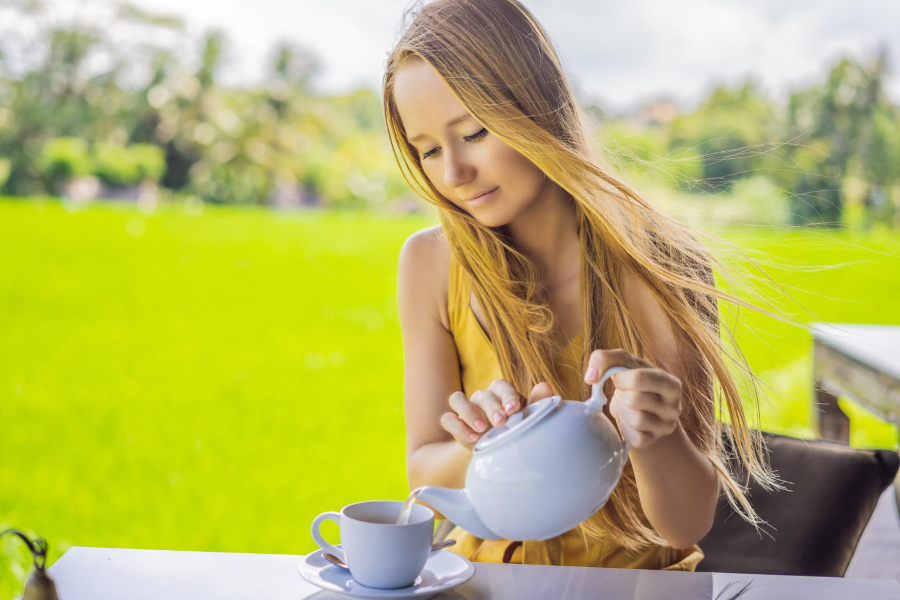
480 425
508 407
473 437
498 416
591 375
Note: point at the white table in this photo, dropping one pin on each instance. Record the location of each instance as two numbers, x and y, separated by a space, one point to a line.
862 363
85 573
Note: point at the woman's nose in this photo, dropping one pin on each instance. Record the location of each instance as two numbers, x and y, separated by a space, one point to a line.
457 171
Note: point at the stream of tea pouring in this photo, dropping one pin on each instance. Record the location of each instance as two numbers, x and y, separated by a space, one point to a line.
403 519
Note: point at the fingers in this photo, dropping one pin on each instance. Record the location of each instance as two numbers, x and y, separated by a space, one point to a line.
649 380
459 430
642 427
646 422
540 391
470 413
648 402
486 408
641 376
490 404
601 360
506 393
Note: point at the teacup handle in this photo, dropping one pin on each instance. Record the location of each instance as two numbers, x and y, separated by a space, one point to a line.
597 400
317 535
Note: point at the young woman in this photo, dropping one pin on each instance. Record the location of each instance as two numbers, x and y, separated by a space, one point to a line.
545 270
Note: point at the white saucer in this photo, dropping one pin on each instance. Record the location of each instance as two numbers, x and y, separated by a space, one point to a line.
443 571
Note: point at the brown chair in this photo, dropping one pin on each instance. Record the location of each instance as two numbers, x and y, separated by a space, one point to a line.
816 524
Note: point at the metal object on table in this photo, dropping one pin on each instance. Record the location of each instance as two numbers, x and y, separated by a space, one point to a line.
445 526
39 586
336 561
862 363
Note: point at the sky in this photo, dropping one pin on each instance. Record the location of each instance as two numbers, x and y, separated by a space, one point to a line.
617 53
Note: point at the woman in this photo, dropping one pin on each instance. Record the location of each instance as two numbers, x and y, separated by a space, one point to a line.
547 269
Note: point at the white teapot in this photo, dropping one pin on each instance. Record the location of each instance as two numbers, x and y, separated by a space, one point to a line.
551 466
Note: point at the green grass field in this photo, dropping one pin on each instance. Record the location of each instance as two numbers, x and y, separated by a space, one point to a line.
212 382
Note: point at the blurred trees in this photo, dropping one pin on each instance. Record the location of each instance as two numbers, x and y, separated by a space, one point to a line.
834 144
131 100
155 112
844 127
834 149
644 151
729 131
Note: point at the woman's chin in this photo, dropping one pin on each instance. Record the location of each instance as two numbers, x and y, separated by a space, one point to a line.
491 218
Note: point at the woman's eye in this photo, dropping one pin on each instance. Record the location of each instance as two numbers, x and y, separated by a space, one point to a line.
469 138
476 136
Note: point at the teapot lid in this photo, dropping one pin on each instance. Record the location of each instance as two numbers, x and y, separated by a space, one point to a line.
517 423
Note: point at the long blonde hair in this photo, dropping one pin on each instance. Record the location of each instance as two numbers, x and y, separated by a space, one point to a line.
500 64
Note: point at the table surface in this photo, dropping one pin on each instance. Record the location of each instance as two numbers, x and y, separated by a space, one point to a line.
877 346
99 573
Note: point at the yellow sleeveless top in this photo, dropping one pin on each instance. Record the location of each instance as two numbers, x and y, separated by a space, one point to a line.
479 367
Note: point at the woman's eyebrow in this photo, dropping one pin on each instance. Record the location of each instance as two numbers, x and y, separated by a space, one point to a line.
450 124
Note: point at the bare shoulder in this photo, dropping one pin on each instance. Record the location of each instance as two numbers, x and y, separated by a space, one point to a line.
429 240
647 311
425 252
424 264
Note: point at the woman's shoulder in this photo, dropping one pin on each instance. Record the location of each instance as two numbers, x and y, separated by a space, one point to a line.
647 312
425 263
425 252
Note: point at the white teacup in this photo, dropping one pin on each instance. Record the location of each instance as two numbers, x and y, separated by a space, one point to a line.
380 553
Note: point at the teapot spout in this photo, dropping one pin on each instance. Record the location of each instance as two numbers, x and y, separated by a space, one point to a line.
457 507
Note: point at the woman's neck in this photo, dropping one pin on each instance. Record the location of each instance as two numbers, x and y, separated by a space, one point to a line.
547 233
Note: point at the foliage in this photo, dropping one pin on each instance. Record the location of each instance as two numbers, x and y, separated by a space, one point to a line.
128 78
846 121
643 152
729 131
226 145
834 146
63 158
131 165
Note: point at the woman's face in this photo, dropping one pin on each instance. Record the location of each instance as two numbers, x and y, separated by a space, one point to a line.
460 158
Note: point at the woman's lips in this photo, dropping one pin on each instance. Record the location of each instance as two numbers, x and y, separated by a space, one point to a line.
484 197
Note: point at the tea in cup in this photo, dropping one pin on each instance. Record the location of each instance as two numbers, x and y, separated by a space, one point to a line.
379 552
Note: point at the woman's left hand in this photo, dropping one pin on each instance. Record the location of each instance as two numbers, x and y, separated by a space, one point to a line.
647 402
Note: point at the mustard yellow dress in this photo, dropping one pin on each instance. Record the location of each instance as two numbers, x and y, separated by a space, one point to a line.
479 367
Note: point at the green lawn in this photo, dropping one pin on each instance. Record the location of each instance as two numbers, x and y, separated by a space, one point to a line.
212 382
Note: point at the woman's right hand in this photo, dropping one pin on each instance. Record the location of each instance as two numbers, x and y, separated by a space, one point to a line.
472 418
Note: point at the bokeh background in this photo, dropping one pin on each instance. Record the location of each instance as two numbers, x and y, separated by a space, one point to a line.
200 219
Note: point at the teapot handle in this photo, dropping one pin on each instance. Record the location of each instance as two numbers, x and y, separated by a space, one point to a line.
597 400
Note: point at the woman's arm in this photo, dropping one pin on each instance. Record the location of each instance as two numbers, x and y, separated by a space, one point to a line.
677 484
442 424
431 365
